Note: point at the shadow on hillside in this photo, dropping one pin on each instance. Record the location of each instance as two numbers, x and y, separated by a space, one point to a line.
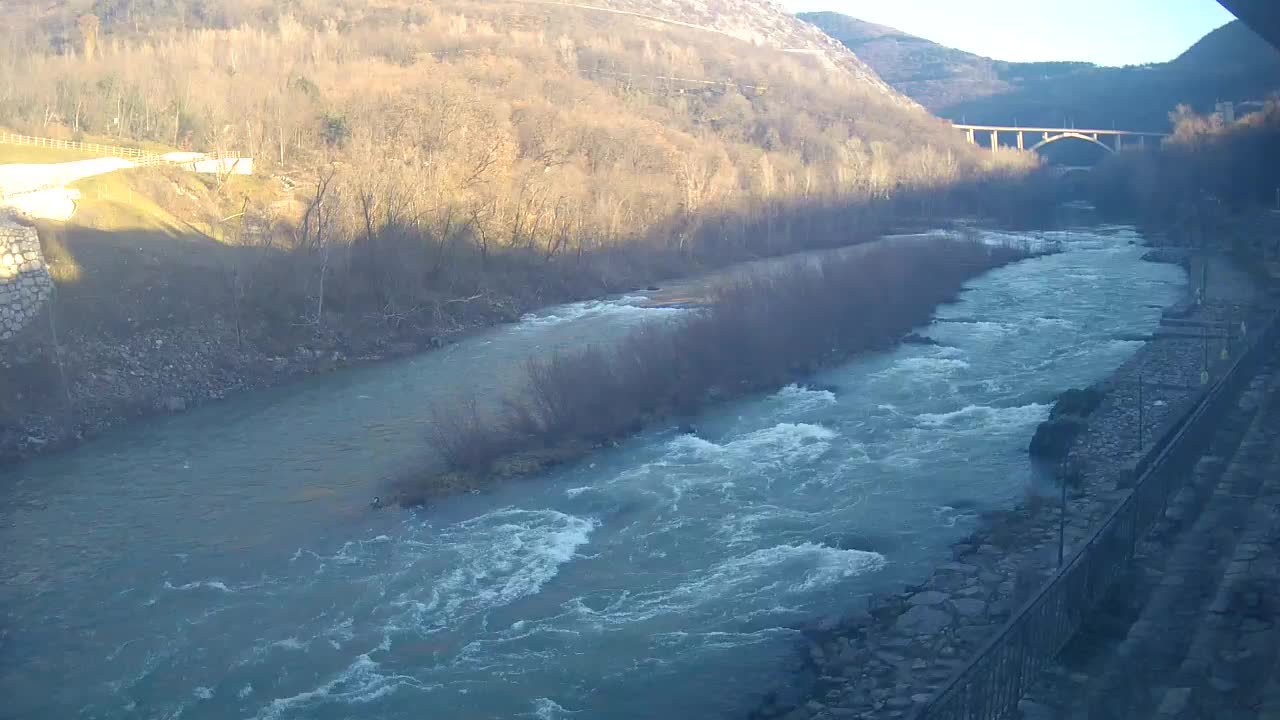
115 282
402 279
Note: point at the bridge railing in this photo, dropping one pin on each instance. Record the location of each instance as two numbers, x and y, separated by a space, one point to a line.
989 687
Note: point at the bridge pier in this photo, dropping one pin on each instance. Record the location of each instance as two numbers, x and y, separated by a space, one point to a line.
972 139
1021 145
995 140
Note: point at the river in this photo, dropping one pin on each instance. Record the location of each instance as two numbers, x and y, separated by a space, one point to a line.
225 563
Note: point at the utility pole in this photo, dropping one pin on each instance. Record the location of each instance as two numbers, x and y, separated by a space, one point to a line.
1204 368
1062 513
1140 410
1226 350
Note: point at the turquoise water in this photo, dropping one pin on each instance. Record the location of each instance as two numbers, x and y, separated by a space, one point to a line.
225 563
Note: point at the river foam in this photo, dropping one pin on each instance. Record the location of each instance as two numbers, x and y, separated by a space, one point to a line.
506 555
628 309
985 419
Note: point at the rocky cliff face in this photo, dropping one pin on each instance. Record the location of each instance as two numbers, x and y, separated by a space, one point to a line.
762 23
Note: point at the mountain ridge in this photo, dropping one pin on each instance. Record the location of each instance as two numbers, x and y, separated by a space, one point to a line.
1229 63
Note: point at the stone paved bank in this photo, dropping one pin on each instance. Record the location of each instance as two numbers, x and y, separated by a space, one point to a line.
1195 634
885 661
25 283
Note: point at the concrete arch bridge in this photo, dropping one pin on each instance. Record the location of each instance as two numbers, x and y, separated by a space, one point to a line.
1034 138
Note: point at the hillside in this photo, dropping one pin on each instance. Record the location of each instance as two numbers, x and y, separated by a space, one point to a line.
936 76
426 169
531 126
1230 63
735 99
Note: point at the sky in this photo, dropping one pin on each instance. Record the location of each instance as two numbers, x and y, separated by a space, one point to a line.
1106 32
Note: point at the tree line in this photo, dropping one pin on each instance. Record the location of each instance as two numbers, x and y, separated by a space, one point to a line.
437 152
1203 181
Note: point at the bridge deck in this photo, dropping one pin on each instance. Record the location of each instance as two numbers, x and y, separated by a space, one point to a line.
1082 131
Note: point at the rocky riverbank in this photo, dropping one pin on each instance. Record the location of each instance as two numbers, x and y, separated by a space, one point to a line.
887 659
54 395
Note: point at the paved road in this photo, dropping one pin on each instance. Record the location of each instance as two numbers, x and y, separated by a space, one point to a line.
15 179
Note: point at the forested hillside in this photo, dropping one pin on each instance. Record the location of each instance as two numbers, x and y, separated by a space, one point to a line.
552 128
424 168
936 76
1229 64
1209 184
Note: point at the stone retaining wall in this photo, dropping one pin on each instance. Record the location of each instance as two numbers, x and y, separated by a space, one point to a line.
25 283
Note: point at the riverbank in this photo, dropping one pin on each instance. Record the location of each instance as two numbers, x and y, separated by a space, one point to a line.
111 380
886 659
623 586
86 365
759 333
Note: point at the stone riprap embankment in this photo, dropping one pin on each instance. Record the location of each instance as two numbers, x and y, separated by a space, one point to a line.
886 660
25 283
1194 635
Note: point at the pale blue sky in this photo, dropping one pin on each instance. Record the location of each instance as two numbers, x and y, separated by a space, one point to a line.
1107 32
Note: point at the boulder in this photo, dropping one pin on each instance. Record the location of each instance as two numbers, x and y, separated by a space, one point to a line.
969 608
918 339
923 620
1076 403
976 634
1054 437
1172 256
928 597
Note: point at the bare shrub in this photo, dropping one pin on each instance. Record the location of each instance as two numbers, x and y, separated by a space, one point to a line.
466 440
757 333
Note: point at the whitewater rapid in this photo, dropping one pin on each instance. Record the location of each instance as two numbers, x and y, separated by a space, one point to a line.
226 564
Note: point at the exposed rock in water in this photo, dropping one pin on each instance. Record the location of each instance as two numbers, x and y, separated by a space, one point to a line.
1172 256
1077 402
918 339
1054 437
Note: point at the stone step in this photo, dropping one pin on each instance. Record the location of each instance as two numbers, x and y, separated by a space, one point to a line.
1269 701
1205 640
1238 639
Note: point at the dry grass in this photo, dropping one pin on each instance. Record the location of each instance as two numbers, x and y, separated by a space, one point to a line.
25 154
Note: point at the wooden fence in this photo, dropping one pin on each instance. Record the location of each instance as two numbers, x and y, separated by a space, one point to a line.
102 150
142 158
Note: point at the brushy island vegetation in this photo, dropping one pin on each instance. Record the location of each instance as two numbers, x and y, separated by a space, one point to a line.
756 334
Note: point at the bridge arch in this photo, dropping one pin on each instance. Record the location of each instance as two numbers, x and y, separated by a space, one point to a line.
1076 136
